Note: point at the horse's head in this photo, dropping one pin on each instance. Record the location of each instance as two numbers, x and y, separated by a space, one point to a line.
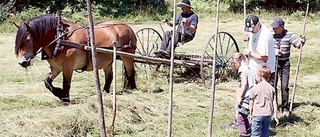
32 35
25 48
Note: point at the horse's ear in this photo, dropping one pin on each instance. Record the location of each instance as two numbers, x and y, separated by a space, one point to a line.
29 28
17 25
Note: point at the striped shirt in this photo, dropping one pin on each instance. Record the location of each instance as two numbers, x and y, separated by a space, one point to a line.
283 42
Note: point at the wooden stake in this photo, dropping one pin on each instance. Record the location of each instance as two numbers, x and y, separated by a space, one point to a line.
115 44
95 72
213 85
299 60
171 73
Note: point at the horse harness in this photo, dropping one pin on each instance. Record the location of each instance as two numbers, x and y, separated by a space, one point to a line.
62 40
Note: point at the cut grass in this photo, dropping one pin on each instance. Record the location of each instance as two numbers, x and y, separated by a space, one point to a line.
28 109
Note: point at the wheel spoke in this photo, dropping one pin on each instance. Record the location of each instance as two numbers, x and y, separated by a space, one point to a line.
148 41
226 46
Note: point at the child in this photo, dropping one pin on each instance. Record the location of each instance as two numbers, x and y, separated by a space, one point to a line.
246 77
262 104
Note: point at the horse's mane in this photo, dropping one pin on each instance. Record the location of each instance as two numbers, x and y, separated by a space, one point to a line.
40 26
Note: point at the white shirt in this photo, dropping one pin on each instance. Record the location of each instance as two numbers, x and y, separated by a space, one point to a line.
262 43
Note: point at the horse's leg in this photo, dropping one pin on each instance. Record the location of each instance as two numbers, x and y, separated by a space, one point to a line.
62 94
108 78
52 74
129 79
67 76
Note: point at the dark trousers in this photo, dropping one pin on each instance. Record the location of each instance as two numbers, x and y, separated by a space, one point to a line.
167 40
284 73
243 123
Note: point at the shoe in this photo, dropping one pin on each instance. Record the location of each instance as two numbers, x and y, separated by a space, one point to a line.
249 130
157 52
164 53
233 124
286 113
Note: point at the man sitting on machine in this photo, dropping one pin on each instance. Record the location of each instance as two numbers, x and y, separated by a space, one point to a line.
187 21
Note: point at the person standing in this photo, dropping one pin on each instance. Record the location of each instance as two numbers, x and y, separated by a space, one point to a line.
187 22
246 81
263 103
283 40
260 50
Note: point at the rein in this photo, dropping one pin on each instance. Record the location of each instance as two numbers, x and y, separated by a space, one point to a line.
72 31
64 34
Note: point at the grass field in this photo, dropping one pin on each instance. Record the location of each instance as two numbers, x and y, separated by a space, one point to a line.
29 109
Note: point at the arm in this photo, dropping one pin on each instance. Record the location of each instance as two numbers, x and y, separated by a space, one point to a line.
189 26
241 90
251 107
258 56
166 20
255 55
190 22
252 96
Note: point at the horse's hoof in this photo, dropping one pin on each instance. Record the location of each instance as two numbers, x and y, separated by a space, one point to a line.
65 100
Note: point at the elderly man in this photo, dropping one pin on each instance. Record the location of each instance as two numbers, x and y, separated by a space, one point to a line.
260 50
283 40
187 22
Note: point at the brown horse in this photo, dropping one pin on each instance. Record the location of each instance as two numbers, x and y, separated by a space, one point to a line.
40 33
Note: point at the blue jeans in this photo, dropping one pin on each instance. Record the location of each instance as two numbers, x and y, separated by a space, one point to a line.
260 126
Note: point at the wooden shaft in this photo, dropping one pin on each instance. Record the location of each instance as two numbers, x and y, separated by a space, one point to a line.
299 61
171 73
213 84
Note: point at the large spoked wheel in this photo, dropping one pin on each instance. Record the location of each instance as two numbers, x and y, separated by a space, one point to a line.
148 41
226 46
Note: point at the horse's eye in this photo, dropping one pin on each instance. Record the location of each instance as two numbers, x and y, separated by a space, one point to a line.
28 40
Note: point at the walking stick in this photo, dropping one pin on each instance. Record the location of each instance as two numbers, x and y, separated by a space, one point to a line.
276 77
299 60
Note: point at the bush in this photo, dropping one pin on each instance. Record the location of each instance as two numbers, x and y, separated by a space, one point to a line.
4 10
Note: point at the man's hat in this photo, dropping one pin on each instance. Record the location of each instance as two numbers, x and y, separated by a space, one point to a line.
184 3
250 22
277 22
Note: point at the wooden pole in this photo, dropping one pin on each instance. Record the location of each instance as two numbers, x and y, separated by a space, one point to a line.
171 72
213 84
244 10
115 44
299 60
95 72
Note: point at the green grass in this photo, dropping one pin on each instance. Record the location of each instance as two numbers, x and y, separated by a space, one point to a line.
29 109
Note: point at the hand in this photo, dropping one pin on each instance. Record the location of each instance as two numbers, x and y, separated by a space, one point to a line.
277 52
249 117
277 121
238 103
303 39
184 21
245 37
246 51
165 20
